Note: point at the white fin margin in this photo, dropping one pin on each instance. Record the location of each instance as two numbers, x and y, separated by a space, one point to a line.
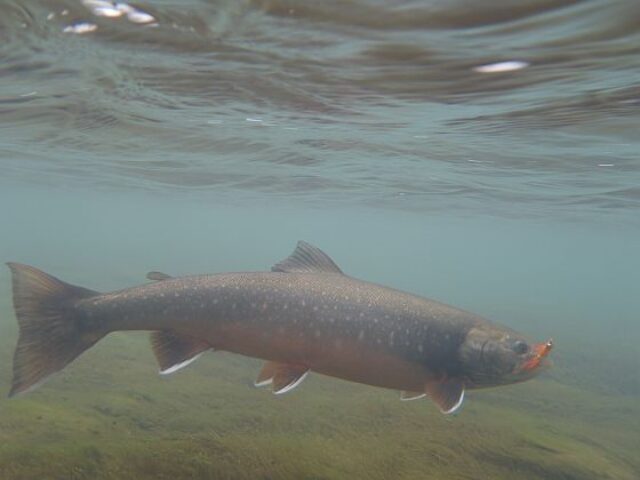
178 366
263 383
407 396
456 407
292 385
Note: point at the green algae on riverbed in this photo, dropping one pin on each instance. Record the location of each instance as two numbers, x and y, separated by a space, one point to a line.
110 416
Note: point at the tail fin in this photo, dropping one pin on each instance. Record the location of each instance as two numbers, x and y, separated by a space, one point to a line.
51 332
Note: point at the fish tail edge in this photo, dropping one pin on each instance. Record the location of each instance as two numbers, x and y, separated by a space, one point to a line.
51 332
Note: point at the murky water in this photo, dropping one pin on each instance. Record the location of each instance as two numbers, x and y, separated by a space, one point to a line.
481 153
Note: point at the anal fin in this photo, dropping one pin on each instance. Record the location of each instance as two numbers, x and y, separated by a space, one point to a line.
174 350
282 377
447 394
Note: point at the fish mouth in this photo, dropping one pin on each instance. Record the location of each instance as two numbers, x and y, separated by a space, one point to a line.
538 354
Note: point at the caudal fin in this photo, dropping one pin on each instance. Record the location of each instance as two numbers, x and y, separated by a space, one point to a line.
51 332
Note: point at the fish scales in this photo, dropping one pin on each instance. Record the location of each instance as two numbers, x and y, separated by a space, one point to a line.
292 317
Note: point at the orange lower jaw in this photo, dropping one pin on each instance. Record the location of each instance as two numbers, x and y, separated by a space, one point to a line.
540 351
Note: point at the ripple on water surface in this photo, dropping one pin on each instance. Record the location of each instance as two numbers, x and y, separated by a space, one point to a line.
411 105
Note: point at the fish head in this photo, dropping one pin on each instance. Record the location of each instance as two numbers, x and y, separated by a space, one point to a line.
491 356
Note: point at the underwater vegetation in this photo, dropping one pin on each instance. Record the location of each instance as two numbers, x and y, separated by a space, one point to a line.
109 416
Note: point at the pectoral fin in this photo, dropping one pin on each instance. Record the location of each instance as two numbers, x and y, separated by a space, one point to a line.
281 376
448 394
175 351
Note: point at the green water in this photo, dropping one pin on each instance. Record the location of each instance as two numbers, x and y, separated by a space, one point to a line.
109 415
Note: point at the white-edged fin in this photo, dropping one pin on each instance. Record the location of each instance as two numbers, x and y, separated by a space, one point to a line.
178 366
291 385
158 276
282 377
306 259
174 350
448 395
268 371
263 383
406 396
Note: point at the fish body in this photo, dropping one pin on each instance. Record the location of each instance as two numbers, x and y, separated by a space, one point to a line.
304 316
334 324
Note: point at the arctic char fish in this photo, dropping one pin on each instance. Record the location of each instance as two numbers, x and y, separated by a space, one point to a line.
303 316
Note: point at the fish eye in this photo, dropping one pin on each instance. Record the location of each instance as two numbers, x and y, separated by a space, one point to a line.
520 347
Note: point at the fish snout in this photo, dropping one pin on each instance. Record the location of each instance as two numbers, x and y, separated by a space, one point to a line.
538 354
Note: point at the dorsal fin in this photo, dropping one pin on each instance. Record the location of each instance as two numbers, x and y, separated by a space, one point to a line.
158 276
306 259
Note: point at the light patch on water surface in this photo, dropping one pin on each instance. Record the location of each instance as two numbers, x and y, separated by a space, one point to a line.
80 28
109 12
501 67
138 16
102 8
